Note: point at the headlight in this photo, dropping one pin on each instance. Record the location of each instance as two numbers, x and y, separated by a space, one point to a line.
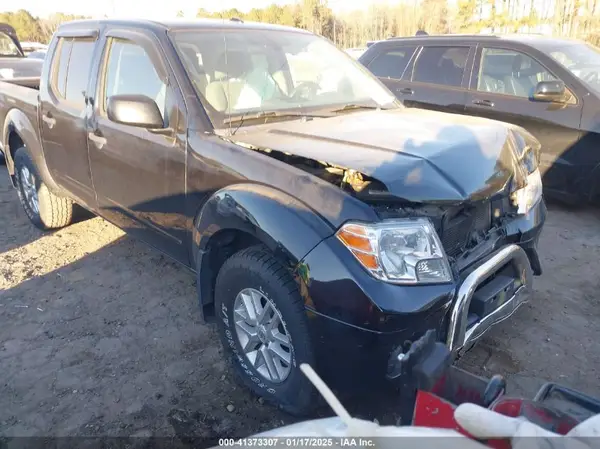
404 251
7 73
529 195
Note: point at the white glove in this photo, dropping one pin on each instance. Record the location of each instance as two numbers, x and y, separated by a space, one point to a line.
485 424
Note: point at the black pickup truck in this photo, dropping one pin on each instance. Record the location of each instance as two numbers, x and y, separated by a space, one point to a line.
325 222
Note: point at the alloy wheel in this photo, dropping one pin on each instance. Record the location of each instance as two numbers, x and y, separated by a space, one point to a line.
28 185
262 335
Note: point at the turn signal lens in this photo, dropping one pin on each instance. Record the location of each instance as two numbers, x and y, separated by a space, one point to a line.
368 260
359 240
353 239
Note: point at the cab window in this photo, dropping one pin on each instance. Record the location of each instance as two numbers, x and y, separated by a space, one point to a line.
71 70
129 70
78 72
60 63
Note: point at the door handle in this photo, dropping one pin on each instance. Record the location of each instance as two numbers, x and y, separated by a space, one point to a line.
405 91
488 103
99 141
49 120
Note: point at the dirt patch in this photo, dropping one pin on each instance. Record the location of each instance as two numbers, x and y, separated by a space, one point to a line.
100 335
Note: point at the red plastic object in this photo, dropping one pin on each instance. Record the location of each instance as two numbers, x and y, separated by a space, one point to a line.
550 419
433 411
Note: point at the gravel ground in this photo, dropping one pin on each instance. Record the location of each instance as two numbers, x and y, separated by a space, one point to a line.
100 335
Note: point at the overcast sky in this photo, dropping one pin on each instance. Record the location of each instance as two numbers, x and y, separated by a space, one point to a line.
155 9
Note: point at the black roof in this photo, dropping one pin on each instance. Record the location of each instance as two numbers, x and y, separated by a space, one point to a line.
529 39
172 24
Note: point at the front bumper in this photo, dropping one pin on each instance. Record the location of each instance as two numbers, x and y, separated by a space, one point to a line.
357 322
463 331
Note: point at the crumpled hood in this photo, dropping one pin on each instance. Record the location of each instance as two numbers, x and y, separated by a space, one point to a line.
21 67
420 155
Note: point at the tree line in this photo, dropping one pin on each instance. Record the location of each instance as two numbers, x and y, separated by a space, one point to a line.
572 18
34 29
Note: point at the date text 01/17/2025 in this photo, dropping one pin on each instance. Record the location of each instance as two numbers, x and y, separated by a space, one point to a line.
309 442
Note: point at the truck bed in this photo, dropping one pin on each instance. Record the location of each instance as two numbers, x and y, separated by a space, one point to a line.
33 82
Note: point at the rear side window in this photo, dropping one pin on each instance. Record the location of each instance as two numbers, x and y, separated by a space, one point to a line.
60 65
391 63
71 69
78 72
129 70
441 65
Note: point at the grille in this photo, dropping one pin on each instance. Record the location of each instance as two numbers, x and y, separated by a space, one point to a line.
458 227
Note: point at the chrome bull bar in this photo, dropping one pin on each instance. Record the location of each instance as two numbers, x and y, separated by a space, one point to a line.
459 337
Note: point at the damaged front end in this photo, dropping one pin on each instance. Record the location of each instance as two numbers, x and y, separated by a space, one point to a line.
456 211
469 228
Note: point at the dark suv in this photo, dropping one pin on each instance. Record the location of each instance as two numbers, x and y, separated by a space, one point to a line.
549 86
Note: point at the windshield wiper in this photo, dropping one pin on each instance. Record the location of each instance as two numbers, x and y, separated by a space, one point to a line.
271 114
351 106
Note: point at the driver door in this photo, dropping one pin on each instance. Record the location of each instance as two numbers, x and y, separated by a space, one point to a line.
139 174
502 89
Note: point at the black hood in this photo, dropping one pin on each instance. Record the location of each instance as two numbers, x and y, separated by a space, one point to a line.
21 67
420 156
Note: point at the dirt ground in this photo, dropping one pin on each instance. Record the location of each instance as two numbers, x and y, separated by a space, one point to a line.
100 335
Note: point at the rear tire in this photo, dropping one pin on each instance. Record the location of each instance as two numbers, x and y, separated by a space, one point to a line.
44 209
266 356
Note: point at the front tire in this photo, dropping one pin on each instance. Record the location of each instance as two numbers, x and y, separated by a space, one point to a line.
263 327
43 208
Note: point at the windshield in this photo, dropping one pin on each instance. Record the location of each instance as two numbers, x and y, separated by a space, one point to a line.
7 46
582 60
249 72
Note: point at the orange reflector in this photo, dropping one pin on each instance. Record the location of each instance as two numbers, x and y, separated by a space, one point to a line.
355 241
368 260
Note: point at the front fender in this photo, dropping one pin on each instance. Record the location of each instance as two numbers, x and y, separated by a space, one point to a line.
17 121
288 227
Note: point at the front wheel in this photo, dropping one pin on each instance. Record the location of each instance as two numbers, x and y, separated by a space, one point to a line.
43 208
263 326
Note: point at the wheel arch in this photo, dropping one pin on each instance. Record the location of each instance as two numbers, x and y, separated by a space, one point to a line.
245 215
20 132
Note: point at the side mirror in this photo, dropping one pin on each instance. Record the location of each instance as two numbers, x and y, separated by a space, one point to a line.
134 110
550 91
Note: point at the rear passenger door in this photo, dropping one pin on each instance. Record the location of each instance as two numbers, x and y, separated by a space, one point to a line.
64 112
389 66
439 78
